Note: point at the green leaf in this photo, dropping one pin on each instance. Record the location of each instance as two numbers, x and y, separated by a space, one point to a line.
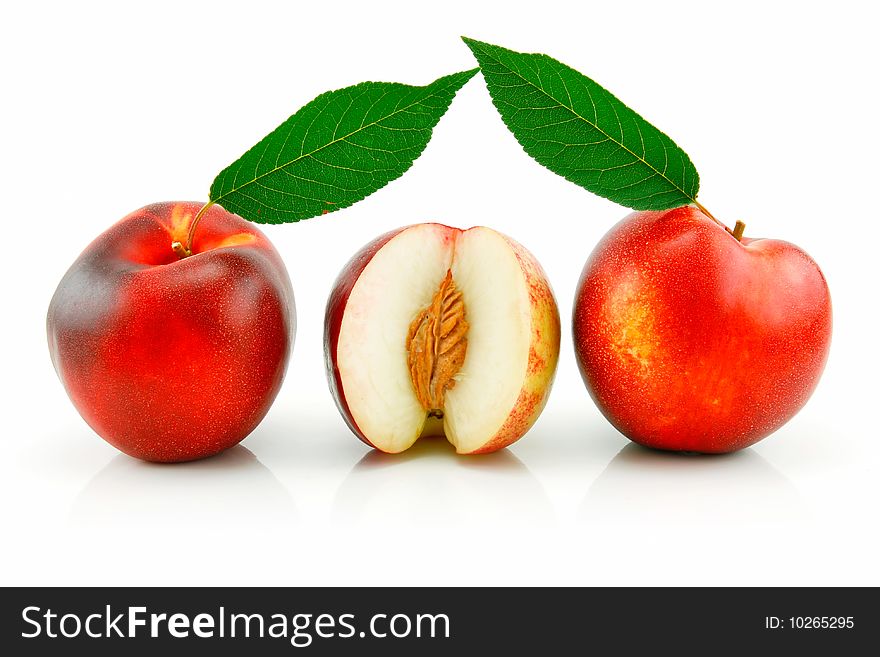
336 150
582 132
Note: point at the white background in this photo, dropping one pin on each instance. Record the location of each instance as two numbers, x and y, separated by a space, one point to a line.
107 108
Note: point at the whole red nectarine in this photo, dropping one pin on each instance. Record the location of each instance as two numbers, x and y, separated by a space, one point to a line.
690 339
173 358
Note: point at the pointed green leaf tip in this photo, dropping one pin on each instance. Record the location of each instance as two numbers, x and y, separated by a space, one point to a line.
339 148
582 132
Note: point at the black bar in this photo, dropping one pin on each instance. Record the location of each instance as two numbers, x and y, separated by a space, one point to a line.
685 621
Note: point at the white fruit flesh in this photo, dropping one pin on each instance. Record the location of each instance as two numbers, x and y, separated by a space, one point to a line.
402 279
496 300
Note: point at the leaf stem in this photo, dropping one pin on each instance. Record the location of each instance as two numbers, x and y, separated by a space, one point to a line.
185 250
738 229
709 214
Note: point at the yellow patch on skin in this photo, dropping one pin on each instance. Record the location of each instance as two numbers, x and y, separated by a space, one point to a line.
632 323
180 221
236 240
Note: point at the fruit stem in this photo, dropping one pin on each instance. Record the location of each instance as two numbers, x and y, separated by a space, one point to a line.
185 250
738 230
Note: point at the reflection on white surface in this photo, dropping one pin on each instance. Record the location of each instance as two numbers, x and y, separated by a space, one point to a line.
642 485
232 488
430 484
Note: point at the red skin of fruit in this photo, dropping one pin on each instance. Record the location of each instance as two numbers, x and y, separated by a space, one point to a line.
690 340
172 359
